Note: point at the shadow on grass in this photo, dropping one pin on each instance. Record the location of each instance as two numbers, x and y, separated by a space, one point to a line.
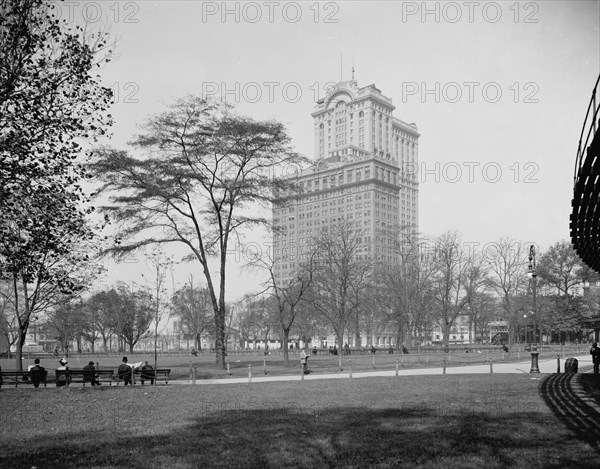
574 399
277 437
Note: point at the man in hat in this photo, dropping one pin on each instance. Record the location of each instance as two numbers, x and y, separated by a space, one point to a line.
595 353
89 374
62 378
124 372
37 373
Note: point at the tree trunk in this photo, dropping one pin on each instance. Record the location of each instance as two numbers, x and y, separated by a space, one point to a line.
19 354
471 330
155 351
285 344
220 345
22 332
446 338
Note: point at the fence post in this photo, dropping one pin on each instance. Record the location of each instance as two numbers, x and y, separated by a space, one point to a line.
396 367
491 366
194 375
301 371
228 372
191 377
444 371
518 355
249 373
373 357
558 363
350 362
265 365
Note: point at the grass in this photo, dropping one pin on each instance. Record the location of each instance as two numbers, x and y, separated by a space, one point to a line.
452 421
273 364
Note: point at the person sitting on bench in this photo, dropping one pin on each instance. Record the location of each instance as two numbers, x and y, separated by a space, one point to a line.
147 373
124 372
37 373
89 374
62 379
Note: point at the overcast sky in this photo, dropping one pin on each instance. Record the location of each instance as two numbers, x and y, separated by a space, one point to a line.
498 91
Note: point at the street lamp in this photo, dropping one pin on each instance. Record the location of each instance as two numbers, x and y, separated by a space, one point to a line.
533 275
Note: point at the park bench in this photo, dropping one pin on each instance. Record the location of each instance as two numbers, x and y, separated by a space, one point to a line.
147 375
19 377
81 376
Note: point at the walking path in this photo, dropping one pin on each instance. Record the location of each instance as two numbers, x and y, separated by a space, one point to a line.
545 366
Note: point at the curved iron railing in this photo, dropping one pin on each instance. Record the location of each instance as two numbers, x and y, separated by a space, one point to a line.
594 106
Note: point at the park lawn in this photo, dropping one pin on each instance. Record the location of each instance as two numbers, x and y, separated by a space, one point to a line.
274 365
452 421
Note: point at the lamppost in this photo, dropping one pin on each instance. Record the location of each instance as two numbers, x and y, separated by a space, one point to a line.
533 275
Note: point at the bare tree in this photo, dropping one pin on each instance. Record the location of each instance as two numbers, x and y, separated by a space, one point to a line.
203 172
287 295
160 264
408 288
476 283
507 264
450 266
341 279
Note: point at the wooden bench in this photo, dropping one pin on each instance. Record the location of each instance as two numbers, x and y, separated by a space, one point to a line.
82 376
158 374
19 377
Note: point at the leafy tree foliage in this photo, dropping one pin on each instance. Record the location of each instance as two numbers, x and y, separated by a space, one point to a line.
192 307
49 103
562 276
128 313
256 317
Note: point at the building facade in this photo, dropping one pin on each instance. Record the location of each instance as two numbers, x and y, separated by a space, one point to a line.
364 176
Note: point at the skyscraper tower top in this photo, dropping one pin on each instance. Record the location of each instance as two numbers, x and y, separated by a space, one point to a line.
353 122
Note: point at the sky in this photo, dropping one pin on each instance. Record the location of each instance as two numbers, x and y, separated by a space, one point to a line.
498 90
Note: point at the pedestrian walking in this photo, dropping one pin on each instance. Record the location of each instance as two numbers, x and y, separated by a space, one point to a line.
304 361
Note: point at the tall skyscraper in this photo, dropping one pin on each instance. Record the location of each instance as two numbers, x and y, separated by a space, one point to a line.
364 175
